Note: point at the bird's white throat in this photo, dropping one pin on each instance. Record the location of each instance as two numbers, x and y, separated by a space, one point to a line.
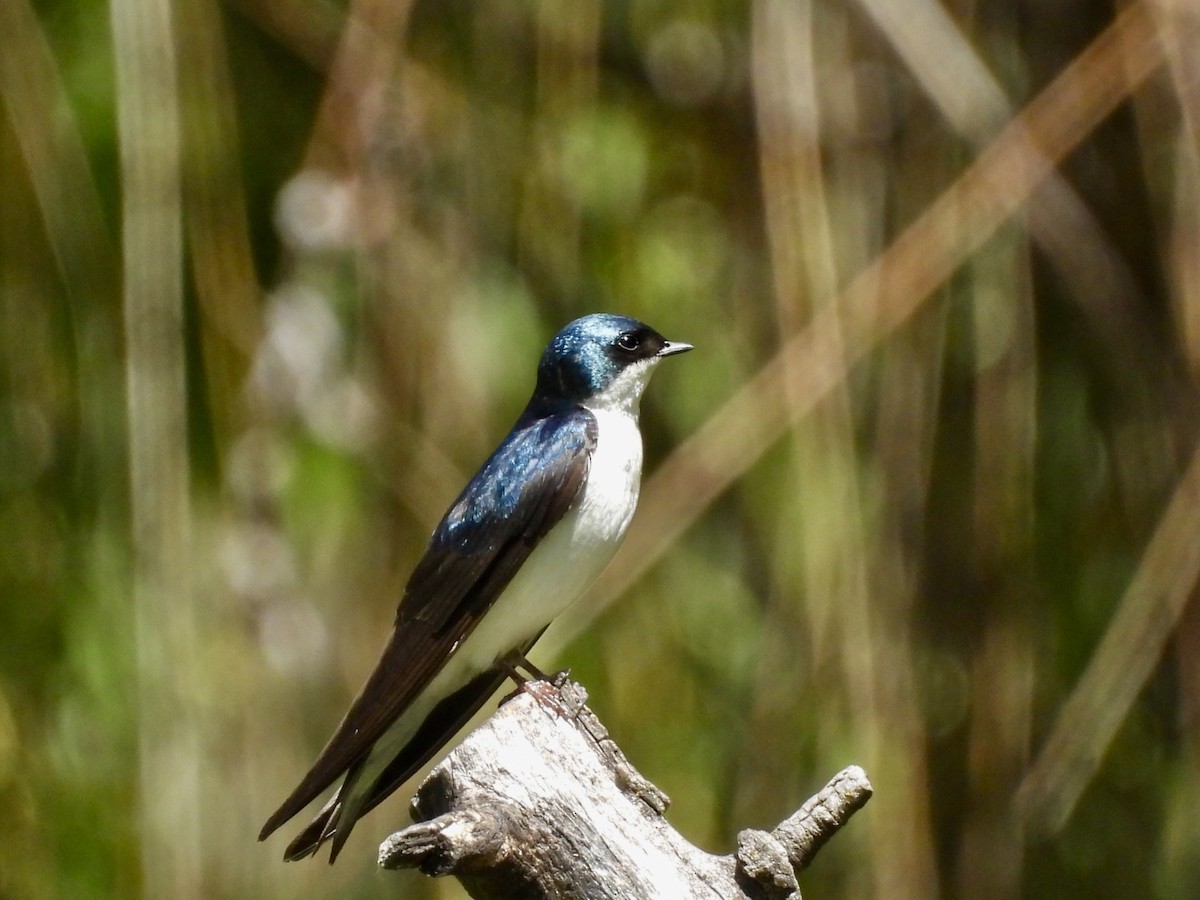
624 392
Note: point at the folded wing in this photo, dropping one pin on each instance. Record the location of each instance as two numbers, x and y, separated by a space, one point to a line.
519 494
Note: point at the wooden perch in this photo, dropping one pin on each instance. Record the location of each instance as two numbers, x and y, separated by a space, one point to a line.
539 802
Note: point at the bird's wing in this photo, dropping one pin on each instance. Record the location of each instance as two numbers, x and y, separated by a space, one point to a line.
519 494
439 727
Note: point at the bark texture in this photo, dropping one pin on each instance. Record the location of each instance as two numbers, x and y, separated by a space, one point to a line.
539 802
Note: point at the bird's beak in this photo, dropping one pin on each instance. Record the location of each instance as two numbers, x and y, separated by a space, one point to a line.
670 348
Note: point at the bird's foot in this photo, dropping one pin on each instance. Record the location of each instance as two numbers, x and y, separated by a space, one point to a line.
512 665
546 689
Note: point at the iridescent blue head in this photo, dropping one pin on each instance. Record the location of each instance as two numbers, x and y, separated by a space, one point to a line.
601 361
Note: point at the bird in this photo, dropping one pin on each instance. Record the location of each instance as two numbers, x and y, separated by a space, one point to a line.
530 532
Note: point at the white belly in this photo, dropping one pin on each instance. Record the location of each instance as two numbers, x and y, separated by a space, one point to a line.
573 554
559 570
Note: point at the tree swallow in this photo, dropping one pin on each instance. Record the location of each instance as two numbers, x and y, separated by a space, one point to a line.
527 536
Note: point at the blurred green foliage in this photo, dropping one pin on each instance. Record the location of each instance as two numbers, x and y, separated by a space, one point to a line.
383 225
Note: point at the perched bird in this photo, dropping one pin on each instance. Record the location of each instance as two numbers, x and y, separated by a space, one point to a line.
527 536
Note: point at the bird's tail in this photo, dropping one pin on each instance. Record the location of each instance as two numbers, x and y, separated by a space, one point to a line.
317 832
334 822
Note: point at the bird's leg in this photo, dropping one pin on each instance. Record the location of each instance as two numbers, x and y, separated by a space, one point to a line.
506 665
558 679
540 686
513 662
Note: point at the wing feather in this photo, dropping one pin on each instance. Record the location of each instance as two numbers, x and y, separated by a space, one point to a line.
519 494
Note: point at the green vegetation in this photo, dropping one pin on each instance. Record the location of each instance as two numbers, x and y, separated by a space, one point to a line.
923 499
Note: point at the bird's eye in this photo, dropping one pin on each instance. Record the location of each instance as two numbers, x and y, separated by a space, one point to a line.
628 342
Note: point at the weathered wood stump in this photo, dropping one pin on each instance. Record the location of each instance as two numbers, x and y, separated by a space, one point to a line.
539 802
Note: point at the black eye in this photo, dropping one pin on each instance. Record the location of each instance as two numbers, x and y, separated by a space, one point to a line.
628 342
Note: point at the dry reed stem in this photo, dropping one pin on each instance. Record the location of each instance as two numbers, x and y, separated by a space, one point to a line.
1127 655
53 152
1165 579
837 601
958 81
883 296
218 232
160 501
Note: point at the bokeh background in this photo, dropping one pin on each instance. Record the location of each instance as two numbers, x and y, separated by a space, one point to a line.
274 276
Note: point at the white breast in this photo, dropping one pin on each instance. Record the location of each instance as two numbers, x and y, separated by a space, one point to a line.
559 570
614 478
564 565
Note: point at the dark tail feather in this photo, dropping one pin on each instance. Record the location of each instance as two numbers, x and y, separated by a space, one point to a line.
308 841
329 823
326 825
292 805
305 793
439 727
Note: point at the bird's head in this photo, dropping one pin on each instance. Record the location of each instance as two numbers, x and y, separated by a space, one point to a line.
602 361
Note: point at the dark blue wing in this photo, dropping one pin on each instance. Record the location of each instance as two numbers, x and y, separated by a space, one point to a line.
519 494
525 487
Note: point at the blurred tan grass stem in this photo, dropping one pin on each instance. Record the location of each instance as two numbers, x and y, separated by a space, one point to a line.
836 594
53 152
1165 580
957 79
884 295
218 233
152 254
1131 648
